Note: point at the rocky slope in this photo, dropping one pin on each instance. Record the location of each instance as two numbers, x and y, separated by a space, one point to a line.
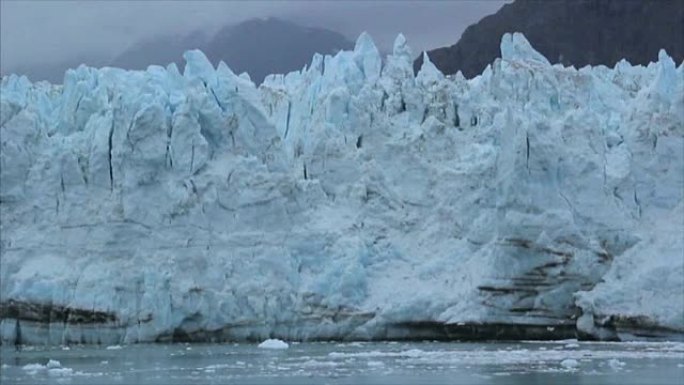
349 200
572 32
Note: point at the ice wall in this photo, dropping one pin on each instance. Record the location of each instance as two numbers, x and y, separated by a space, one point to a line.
349 200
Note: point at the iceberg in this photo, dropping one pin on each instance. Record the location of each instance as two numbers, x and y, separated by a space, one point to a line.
273 344
349 200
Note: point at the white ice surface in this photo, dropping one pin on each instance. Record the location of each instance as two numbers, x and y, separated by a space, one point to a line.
272 343
52 364
570 363
342 199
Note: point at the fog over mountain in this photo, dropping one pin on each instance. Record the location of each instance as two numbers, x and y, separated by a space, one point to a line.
43 39
160 50
257 46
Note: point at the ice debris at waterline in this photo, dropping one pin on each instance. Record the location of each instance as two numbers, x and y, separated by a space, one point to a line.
349 200
569 363
53 368
273 344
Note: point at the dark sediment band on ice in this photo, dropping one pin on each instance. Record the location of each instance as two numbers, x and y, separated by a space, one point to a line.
47 313
624 327
47 317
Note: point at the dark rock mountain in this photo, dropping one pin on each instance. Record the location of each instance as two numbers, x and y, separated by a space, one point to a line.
258 47
572 32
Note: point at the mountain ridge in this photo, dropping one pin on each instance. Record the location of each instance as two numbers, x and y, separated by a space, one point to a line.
571 32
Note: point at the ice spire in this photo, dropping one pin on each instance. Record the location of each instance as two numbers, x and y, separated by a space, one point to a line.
198 66
401 48
515 47
428 72
367 57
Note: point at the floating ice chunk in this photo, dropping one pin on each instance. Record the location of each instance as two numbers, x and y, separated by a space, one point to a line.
615 363
569 363
413 353
114 347
33 367
60 372
53 364
273 344
572 346
314 363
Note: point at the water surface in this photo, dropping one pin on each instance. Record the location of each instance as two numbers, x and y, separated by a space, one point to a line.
563 362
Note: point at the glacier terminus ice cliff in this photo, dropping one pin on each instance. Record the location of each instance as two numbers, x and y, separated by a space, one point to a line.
349 200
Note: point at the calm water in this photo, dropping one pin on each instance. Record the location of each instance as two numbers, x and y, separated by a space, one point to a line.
565 362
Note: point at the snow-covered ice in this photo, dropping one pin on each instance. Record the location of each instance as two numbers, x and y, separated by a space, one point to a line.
349 199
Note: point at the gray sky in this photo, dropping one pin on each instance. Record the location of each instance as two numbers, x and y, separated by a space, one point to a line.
32 32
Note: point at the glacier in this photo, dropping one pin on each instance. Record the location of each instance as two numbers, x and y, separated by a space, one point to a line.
351 200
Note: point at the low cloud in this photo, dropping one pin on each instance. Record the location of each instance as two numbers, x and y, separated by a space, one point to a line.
33 32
